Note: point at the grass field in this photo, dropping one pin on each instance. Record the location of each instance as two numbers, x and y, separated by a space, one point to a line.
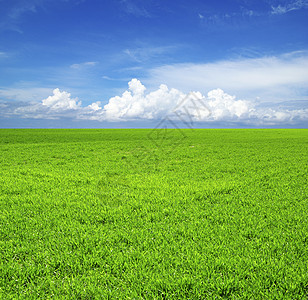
153 214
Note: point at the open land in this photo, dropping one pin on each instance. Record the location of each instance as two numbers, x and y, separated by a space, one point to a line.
153 214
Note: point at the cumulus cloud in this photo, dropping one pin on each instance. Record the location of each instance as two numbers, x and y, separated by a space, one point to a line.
224 106
217 106
137 104
60 104
95 106
61 101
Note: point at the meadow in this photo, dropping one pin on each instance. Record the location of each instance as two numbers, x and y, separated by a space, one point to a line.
153 214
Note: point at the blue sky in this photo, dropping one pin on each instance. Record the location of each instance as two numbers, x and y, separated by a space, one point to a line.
132 63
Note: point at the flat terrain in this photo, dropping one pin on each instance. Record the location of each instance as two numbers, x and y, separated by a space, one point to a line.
153 214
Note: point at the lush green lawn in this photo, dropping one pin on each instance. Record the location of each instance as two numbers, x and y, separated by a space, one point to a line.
149 214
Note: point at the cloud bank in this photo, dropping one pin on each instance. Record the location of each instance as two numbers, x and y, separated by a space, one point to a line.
271 77
136 104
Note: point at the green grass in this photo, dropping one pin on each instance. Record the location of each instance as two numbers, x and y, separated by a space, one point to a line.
153 214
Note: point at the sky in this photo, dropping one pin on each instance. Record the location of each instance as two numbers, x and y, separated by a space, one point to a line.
143 63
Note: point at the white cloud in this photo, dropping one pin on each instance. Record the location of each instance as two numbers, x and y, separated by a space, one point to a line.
115 79
145 53
138 104
24 93
271 77
218 106
294 5
82 65
60 104
249 13
95 106
279 10
108 78
135 104
61 101
224 106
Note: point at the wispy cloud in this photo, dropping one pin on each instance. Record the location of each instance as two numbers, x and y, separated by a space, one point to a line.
294 5
231 18
108 78
83 65
24 93
246 11
114 79
135 8
23 7
3 54
13 13
145 53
